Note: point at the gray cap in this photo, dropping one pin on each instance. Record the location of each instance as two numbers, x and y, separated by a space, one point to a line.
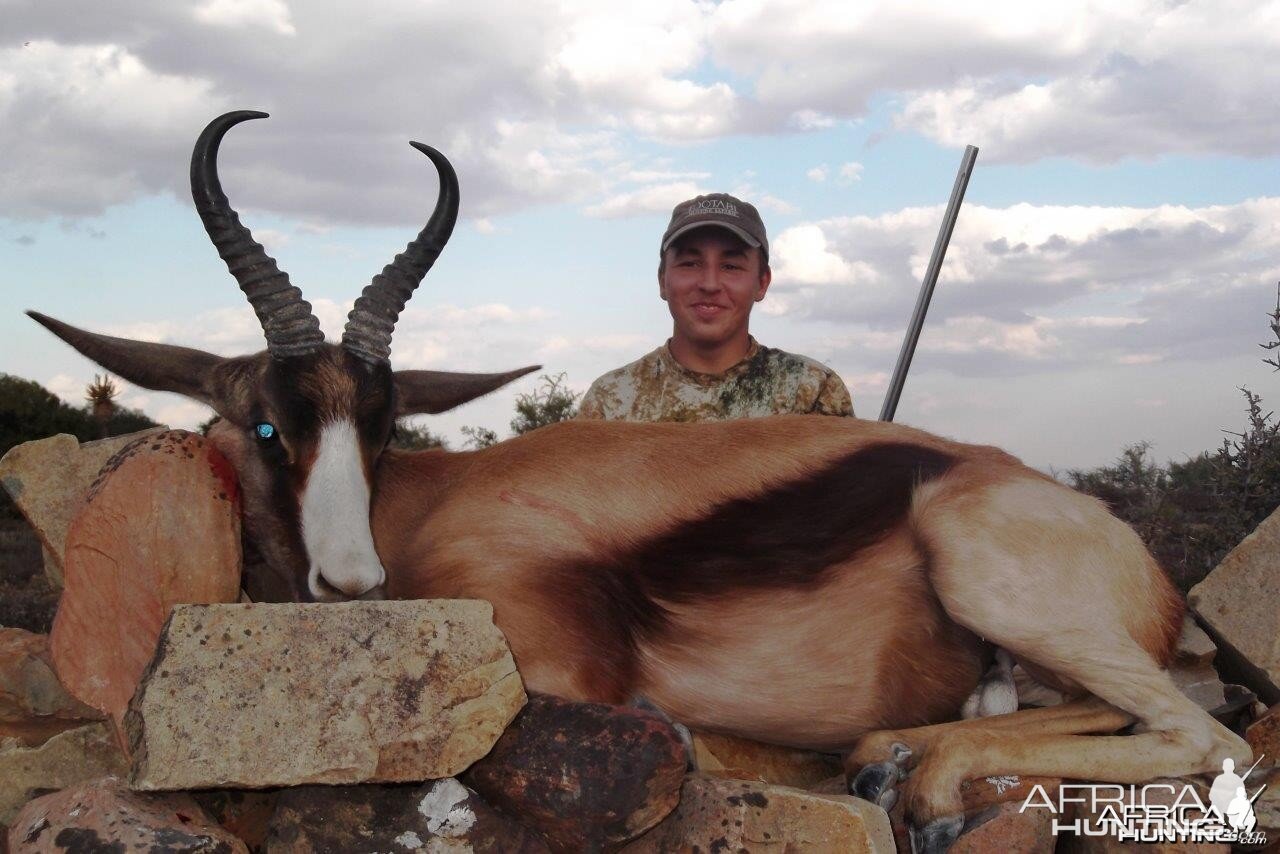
719 209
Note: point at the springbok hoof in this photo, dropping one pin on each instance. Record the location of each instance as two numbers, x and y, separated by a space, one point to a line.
876 782
936 836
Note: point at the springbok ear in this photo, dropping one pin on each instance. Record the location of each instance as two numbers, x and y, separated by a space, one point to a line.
160 367
429 392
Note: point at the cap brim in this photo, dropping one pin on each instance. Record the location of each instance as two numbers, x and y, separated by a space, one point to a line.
685 229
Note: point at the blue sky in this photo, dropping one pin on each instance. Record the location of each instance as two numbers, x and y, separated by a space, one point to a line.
1108 281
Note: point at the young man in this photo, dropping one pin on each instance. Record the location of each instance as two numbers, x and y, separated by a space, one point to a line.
714 267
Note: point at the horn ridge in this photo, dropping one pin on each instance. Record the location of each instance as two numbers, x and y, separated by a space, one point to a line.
373 319
286 318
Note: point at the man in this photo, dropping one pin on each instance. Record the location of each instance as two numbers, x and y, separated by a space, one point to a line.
713 268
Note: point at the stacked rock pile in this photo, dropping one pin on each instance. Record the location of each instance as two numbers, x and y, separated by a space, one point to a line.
165 712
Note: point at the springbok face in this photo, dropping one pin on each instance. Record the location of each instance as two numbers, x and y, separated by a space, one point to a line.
304 421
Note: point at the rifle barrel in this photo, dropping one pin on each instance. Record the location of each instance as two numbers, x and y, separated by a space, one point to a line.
927 286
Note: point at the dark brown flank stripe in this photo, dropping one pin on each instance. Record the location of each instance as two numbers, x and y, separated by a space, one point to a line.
790 536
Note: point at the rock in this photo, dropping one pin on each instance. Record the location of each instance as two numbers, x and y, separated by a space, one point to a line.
585 775
104 816
52 566
48 478
743 759
33 703
67 758
1240 600
1267 807
1192 668
1005 828
1263 736
442 815
1194 646
1199 683
734 815
836 784
245 813
160 526
260 695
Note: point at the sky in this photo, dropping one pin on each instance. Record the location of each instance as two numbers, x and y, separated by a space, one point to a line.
1108 282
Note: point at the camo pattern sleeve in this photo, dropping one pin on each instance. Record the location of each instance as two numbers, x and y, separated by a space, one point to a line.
766 382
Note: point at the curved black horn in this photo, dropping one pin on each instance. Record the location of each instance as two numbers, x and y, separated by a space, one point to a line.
286 318
371 322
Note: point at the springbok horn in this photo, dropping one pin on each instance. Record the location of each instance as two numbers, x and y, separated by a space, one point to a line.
373 320
286 318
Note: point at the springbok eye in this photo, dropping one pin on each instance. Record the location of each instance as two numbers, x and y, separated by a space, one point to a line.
264 431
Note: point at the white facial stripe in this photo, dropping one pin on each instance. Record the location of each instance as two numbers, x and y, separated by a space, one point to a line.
335 517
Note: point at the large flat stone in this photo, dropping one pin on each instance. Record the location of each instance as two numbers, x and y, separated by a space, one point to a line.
103 816
258 695
1263 736
735 815
33 703
587 776
743 759
67 758
1007 828
1240 600
160 526
48 478
439 816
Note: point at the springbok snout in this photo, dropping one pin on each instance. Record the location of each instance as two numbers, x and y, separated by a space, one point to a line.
335 518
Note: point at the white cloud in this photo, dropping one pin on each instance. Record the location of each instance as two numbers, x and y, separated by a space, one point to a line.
545 103
1021 81
1046 286
659 198
91 125
817 174
801 254
850 173
270 14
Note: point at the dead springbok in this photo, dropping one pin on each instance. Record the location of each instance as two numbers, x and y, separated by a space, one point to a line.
817 582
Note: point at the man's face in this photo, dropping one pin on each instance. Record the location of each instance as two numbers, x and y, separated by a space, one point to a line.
710 281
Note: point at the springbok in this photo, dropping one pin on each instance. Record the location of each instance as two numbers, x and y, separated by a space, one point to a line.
826 583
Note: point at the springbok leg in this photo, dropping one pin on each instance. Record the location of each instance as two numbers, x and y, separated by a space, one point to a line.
1094 611
882 758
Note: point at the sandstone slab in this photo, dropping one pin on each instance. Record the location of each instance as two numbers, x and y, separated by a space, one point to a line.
439 816
65 759
1263 736
1194 646
160 526
104 816
742 759
734 815
246 813
1008 829
1240 600
587 776
260 695
48 478
33 703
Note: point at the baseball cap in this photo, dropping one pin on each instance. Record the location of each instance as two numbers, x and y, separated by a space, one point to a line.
719 209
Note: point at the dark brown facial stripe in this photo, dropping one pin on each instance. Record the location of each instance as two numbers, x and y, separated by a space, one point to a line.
787 537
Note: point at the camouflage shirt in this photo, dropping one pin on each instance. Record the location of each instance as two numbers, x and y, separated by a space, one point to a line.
766 382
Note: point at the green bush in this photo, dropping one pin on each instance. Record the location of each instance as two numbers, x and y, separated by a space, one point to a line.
30 411
546 404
